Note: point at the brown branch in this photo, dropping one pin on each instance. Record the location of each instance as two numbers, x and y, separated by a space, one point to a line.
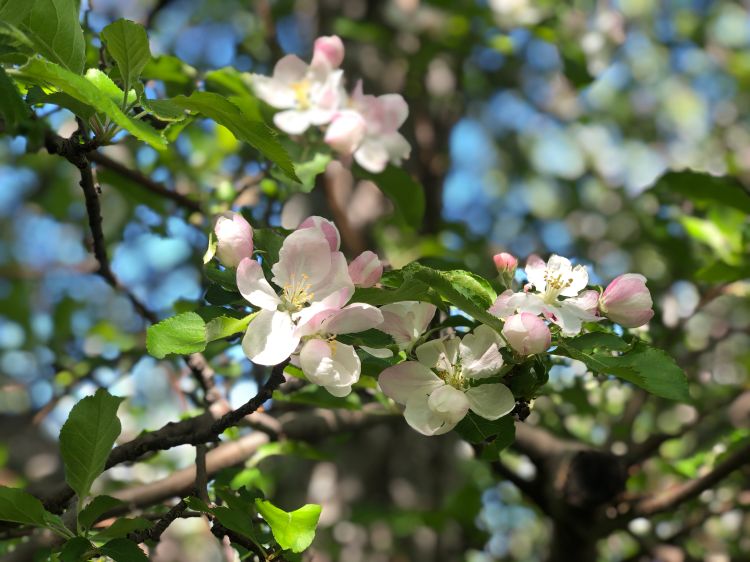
155 532
201 473
145 182
677 495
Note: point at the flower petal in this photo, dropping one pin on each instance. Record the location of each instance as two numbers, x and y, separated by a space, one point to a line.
253 286
372 155
441 354
449 403
535 270
406 321
290 69
292 121
356 317
421 417
491 401
480 353
326 227
333 365
270 338
407 379
304 260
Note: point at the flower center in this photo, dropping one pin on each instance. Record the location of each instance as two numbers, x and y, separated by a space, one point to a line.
302 93
555 284
296 294
452 374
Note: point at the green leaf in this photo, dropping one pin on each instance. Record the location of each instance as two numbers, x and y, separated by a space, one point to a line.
15 11
184 333
315 395
21 507
123 550
12 108
86 439
246 128
720 272
225 326
463 289
646 367
307 171
105 85
164 110
52 26
122 527
294 530
96 508
44 73
704 188
476 429
36 95
237 521
127 43
15 47
405 192
75 549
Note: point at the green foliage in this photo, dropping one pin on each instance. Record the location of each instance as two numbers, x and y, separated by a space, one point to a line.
319 397
706 189
75 549
246 128
184 333
293 530
97 507
12 109
127 43
21 507
123 550
86 439
649 368
47 74
53 29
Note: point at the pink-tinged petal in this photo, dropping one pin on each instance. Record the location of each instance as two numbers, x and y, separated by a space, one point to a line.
627 301
407 379
290 69
292 121
346 131
234 239
527 333
332 365
356 317
406 321
422 418
535 270
372 156
326 227
480 353
587 301
253 286
440 354
336 288
366 269
304 261
505 304
328 51
491 401
270 338
449 403
395 111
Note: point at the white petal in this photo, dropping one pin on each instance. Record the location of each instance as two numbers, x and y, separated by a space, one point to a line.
441 354
372 155
480 353
408 379
377 352
535 270
304 260
270 338
421 417
491 401
395 111
397 146
580 278
356 317
406 321
290 69
254 287
333 365
292 121
450 403
274 92
336 287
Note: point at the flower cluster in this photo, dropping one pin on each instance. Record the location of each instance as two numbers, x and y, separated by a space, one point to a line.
363 126
305 307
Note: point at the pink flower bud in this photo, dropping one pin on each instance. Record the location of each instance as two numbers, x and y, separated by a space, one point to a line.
366 269
505 262
527 333
234 239
328 50
346 131
627 301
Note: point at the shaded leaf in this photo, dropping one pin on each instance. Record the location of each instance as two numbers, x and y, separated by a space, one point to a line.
96 508
52 26
12 108
123 550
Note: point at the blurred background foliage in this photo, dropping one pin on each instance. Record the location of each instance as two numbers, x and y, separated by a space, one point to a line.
536 126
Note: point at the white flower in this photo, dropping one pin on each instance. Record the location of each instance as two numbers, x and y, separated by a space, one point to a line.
308 94
550 281
437 390
406 321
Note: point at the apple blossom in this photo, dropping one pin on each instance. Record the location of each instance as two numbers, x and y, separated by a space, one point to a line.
234 239
550 281
308 94
527 333
326 227
440 388
627 301
312 278
406 321
366 269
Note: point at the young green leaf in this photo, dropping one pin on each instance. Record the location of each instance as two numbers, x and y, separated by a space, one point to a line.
44 73
52 27
95 509
293 530
18 506
225 326
123 550
253 131
127 43
86 439
184 333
